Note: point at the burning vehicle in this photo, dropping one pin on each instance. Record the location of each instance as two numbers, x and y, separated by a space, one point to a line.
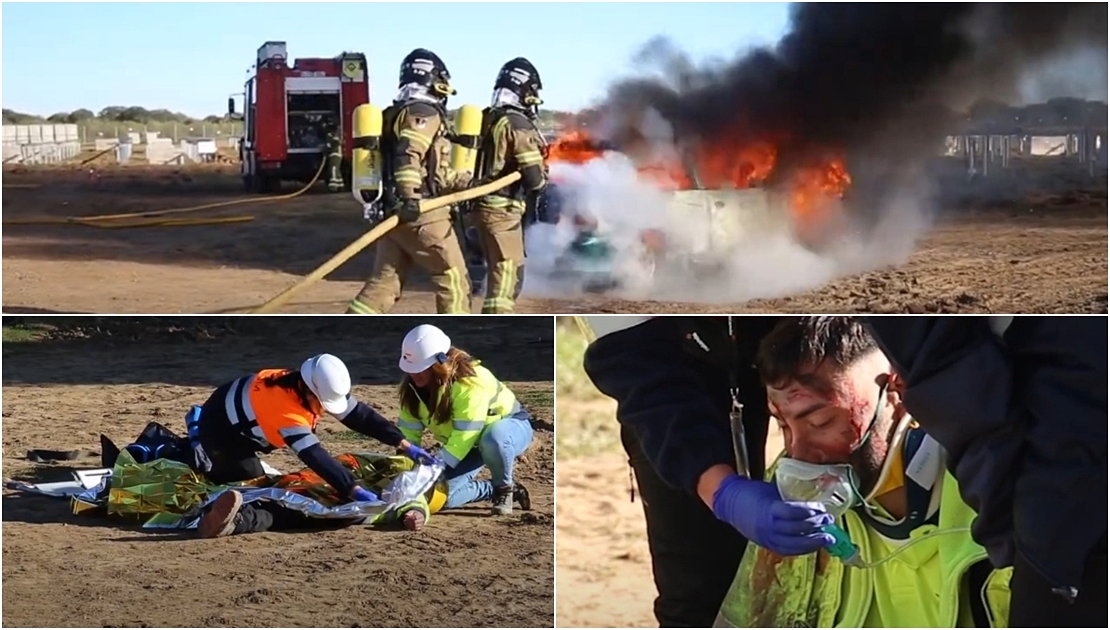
711 199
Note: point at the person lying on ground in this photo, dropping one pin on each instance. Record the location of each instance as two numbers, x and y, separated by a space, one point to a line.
271 409
474 416
876 479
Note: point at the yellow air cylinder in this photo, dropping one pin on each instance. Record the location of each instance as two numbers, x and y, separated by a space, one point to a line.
366 154
468 126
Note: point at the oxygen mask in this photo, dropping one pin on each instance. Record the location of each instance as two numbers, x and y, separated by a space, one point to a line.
834 486
830 485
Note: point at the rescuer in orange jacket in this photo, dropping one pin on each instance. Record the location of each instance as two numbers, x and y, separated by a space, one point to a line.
270 409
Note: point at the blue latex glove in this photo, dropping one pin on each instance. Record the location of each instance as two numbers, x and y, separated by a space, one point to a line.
419 455
757 511
361 495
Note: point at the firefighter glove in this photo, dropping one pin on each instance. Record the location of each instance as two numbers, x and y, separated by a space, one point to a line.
408 211
757 511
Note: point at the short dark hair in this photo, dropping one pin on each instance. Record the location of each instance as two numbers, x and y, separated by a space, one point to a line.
799 343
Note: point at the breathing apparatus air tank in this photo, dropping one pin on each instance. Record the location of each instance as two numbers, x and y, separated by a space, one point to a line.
468 128
366 156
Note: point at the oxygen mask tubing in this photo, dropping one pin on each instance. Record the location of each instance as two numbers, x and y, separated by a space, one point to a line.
835 487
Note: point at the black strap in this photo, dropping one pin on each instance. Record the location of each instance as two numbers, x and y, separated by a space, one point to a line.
736 413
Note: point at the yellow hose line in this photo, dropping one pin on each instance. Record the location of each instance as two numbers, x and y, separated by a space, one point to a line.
94 221
376 232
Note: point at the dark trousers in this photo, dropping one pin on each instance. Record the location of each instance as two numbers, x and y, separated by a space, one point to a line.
266 516
235 463
694 556
1034 605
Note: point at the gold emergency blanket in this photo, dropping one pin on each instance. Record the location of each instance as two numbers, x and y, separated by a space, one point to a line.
169 494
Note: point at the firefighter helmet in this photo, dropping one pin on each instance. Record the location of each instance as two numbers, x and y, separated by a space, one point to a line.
424 67
519 78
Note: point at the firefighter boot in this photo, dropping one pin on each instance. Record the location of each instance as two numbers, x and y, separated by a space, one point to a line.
505 496
222 517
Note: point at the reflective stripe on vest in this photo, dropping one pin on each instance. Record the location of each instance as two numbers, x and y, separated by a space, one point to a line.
240 413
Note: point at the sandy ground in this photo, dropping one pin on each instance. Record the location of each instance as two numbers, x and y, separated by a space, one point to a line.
465 569
603 566
1043 258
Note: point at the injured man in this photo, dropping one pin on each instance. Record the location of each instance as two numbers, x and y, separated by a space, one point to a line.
153 480
863 484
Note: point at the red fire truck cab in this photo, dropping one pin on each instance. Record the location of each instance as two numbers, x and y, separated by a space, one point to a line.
288 110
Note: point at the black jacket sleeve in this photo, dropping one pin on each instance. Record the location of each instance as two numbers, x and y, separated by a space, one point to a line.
681 422
323 464
1023 418
959 387
362 418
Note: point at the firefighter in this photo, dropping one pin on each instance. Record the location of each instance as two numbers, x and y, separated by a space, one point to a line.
270 409
416 152
333 142
476 418
510 142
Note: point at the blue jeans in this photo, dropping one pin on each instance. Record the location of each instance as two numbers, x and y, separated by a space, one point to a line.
500 445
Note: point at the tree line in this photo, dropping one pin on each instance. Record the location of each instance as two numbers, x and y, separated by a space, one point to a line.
1056 111
114 113
142 116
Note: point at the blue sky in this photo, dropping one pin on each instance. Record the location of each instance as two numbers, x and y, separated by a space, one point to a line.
190 56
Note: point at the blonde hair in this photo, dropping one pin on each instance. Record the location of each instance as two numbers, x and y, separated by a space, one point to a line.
459 365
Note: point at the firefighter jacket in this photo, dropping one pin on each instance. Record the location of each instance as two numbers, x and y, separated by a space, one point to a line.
1021 411
251 413
943 581
417 156
476 403
671 378
510 142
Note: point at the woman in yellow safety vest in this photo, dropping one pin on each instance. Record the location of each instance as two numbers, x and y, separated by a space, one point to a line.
474 416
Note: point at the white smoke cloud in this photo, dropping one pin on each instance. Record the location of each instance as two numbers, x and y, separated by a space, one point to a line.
762 259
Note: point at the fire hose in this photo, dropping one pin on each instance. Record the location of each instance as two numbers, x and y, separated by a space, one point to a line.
104 221
378 231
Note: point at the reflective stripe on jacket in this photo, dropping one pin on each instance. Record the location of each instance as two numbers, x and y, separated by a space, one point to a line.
271 417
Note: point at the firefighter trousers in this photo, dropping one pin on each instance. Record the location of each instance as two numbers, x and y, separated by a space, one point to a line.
501 237
432 246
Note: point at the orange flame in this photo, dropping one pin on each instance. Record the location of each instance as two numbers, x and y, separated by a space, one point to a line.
724 164
576 148
814 186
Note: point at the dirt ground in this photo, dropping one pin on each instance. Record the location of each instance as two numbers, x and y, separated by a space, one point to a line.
603 570
1034 259
466 569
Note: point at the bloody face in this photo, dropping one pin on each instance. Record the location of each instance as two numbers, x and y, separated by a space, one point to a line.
835 416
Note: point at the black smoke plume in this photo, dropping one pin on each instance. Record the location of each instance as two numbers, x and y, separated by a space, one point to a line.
877 80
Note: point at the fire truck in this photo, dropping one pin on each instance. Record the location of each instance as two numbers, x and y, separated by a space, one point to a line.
288 110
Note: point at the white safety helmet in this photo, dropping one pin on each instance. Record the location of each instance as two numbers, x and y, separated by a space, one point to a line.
327 377
423 347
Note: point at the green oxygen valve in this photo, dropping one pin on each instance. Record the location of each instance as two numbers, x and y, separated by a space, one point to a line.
843 549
